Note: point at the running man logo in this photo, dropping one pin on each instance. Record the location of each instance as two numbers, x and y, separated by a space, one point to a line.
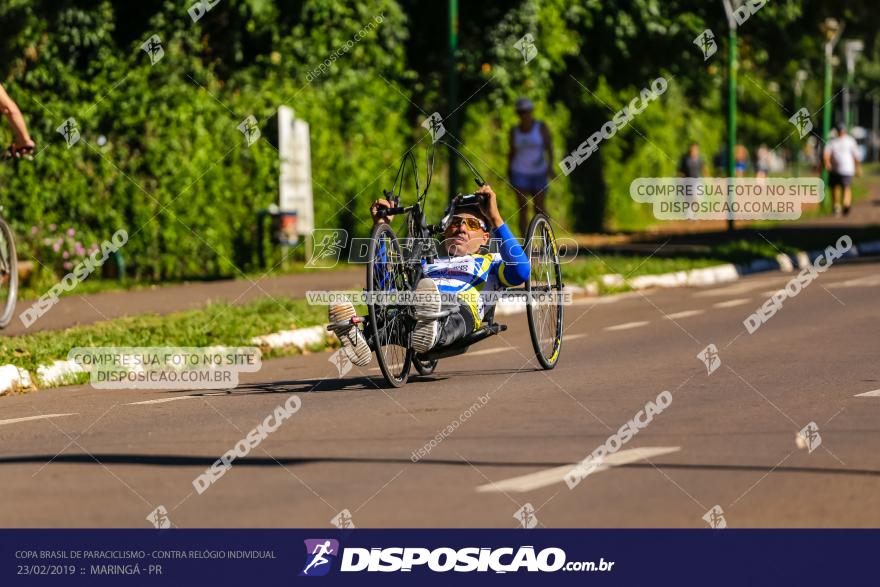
526 47
706 42
434 124
715 518
526 516
710 358
153 48
159 518
342 361
343 520
70 131
329 244
809 437
250 130
320 554
801 121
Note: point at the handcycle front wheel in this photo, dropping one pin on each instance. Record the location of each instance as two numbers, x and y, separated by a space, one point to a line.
388 324
544 290
8 274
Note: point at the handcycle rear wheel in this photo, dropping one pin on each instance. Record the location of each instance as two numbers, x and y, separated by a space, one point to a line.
388 325
544 289
8 274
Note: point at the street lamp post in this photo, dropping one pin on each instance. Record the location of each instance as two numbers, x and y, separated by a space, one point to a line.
453 91
852 50
729 7
832 29
799 80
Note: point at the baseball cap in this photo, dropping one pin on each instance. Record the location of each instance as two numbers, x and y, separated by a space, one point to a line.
524 105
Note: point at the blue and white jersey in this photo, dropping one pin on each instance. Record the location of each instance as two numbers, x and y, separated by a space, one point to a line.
468 275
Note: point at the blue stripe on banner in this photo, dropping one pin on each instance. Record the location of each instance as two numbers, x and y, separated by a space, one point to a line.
396 557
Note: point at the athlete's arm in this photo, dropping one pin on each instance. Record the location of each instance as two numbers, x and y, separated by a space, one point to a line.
23 142
514 267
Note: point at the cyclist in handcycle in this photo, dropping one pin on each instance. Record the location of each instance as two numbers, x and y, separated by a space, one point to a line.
457 279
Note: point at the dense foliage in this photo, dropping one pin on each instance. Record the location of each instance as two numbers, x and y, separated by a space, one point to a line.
160 152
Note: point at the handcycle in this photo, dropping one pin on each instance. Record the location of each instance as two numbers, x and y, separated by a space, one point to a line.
392 269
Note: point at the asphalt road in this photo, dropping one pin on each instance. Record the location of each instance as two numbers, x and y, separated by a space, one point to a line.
727 439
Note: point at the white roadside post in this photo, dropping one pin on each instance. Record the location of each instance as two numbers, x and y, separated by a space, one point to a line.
296 209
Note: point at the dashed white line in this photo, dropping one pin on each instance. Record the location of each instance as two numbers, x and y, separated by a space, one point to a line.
869 281
29 418
732 303
163 400
490 351
626 325
573 336
875 393
547 477
685 314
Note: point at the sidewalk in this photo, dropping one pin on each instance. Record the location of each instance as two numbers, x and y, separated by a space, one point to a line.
74 310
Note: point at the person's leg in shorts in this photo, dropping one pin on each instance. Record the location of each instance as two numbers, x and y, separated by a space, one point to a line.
846 181
429 332
835 182
528 185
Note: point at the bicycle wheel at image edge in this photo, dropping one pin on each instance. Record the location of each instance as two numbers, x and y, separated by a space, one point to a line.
544 288
386 273
8 274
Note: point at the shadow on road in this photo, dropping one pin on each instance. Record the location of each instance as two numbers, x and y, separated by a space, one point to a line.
207 461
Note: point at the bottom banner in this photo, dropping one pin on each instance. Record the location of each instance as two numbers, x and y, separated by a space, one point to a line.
509 557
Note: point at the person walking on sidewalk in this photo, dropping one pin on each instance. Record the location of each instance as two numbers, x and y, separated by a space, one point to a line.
841 159
528 162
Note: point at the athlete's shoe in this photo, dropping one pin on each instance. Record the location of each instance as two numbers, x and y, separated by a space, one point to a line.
427 302
353 340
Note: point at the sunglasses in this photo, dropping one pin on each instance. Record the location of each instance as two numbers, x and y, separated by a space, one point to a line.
469 222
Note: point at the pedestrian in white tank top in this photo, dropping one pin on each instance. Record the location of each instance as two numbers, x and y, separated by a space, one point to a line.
528 163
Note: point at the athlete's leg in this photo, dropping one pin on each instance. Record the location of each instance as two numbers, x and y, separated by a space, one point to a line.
457 325
354 343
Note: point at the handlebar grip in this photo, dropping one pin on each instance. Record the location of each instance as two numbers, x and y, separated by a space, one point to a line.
471 199
382 211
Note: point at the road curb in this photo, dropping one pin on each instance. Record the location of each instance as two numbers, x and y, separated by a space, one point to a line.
728 272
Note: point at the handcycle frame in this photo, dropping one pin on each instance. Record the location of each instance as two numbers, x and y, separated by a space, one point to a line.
398 326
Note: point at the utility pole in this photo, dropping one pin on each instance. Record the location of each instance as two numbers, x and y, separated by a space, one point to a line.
799 80
832 30
875 138
452 96
851 50
731 102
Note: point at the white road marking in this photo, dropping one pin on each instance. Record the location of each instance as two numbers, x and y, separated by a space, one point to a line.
626 326
547 477
732 303
29 418
869 281
490 351
685 314
875 393
573 336
163 400
739 288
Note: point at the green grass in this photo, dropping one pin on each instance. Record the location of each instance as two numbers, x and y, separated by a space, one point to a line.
216 324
